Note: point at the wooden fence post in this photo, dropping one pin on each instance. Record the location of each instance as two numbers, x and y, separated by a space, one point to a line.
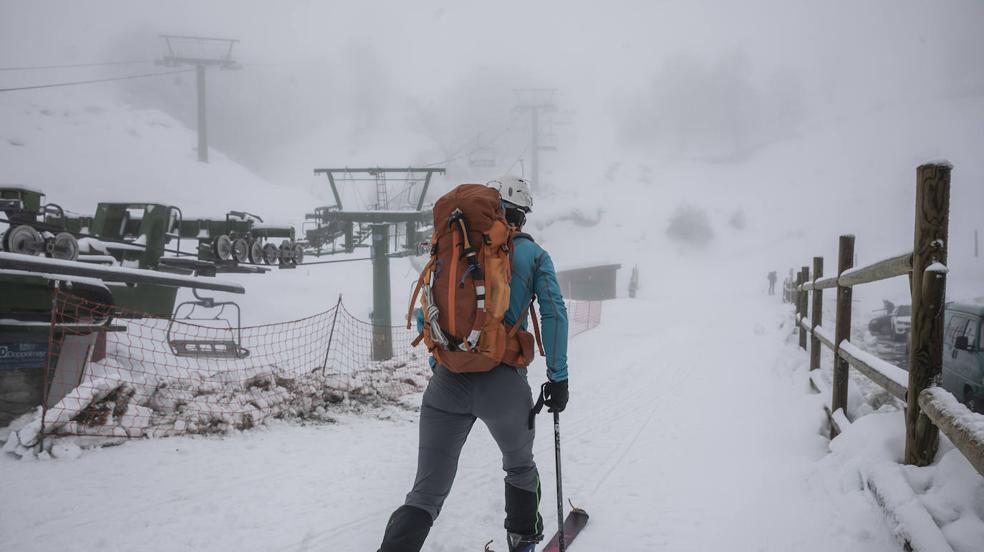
790 282
791 289
802 297
842 329
785 289
794 296
928 296
817 314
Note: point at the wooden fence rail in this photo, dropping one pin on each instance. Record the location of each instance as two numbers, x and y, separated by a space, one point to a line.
958 423
882 270
929 408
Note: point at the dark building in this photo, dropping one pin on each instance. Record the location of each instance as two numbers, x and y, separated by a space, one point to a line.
589 283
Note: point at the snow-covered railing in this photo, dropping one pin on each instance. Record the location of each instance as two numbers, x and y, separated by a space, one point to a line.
892 378
928 408
115 274
882 270
911 523
824 336
964 428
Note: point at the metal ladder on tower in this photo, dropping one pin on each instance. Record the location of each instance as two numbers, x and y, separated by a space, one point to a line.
382 197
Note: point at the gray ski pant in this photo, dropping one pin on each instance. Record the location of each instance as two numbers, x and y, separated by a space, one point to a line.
501 398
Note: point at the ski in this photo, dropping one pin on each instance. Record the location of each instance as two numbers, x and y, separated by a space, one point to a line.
573 523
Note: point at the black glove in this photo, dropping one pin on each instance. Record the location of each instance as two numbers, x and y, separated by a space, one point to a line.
555 395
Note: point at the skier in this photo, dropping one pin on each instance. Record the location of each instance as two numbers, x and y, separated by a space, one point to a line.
772 282
634 282
501 398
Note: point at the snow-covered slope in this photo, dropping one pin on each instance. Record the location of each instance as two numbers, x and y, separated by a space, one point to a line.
852 175
81 148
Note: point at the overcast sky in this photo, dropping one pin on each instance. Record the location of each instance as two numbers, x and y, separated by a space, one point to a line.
448 68
399 82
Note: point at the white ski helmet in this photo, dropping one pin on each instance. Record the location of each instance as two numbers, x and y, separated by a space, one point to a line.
513 190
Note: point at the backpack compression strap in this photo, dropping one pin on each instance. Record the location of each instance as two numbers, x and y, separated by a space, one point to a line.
416 290
478 277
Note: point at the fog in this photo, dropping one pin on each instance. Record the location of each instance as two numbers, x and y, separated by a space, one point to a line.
692 146
641 87
712 80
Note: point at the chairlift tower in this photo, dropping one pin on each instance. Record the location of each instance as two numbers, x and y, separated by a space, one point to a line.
375 225
536 101
200 52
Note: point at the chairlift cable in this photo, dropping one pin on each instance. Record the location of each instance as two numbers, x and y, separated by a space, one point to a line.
458 154
91 81
72 65
518 157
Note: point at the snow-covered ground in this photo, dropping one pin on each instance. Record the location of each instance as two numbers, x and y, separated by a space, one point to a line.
686 431
691 426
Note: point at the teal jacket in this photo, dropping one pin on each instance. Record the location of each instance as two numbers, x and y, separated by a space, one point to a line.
533 273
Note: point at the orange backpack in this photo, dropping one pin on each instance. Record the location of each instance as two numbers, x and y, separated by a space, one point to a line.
465 286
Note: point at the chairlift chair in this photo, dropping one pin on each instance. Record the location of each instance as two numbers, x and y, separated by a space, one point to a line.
219 348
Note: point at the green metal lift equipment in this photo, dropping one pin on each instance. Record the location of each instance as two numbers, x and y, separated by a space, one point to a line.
381 225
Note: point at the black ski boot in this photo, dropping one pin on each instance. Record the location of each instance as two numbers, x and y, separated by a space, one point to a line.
406 531
524 525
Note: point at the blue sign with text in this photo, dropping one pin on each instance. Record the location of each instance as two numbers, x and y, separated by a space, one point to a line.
24 351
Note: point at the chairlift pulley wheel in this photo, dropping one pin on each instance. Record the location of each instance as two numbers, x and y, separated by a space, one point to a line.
23 239
64 246
286 252
256 252
222 248
240 250
298 253
270 253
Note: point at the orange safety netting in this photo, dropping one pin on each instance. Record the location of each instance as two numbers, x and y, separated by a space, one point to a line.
583 316
154 377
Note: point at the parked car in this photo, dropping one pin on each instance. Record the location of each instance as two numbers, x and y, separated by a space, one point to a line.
881 323
900 321
963 357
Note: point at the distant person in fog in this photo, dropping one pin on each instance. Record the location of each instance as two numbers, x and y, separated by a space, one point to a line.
772 282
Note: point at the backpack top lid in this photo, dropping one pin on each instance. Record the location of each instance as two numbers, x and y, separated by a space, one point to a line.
480 205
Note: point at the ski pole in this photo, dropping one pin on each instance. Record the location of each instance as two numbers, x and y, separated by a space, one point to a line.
560 485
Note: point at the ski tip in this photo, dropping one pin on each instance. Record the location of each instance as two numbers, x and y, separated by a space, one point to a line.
576 510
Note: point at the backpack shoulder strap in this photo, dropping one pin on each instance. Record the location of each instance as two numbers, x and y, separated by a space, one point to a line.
416 290
530 310
536 328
